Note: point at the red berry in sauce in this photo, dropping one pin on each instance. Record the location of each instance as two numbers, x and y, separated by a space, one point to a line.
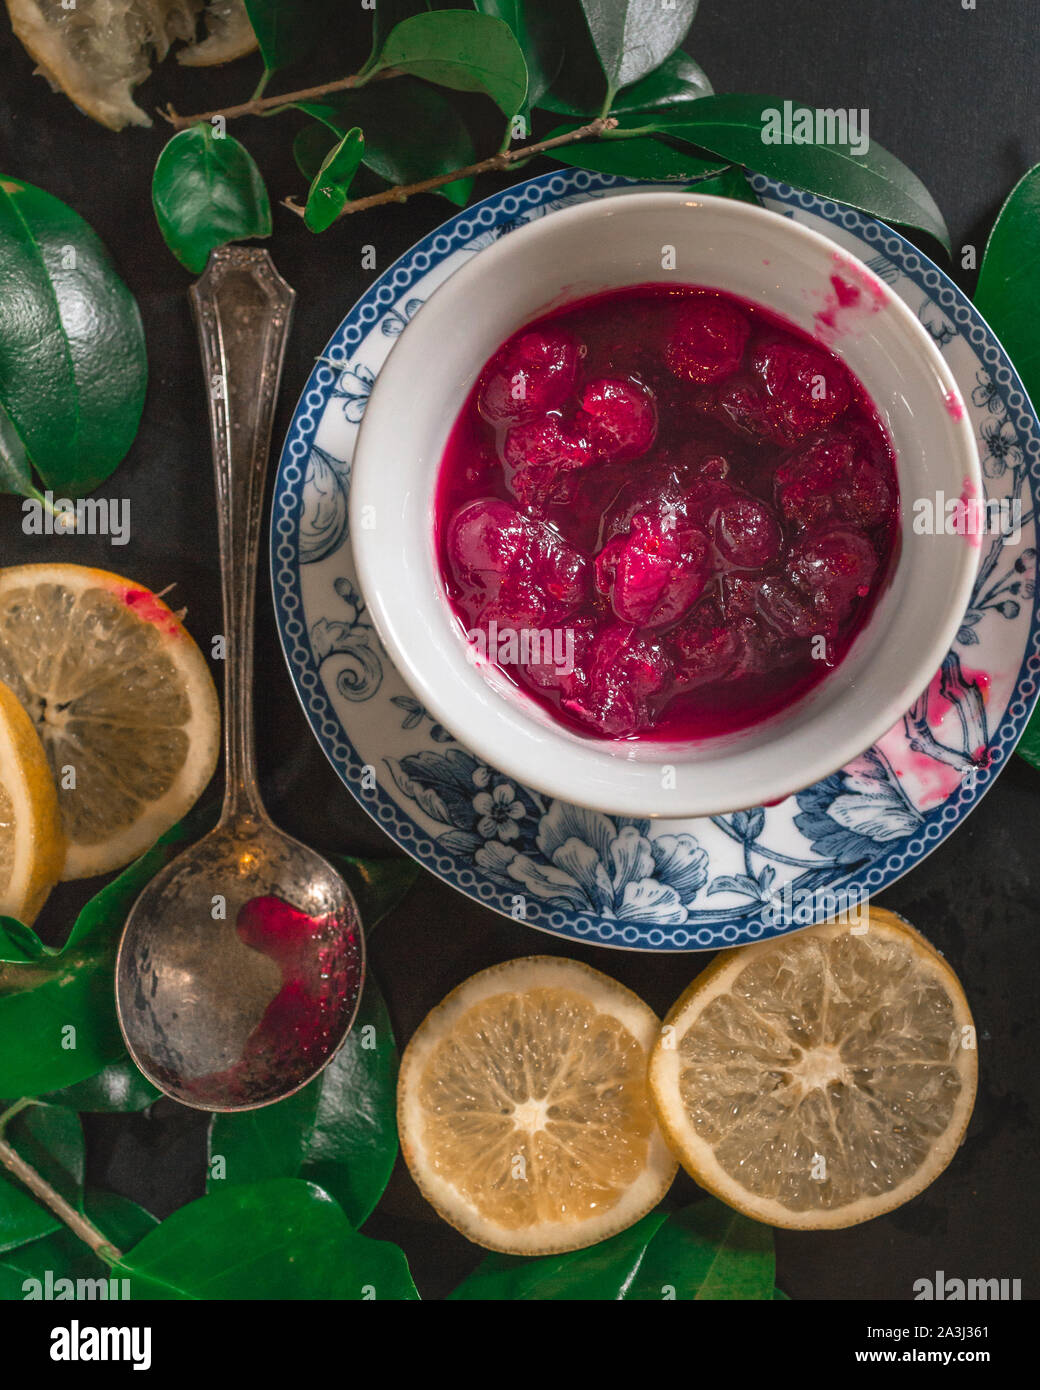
835 476
578 638
496 553
538 455
739 595
742 405
706 648
533 373
707 341
786 609
621 418
655 572
747 534
760 650
807 388
627 669
835 569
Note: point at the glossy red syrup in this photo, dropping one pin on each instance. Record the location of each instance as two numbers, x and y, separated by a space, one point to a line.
691 491
309 1013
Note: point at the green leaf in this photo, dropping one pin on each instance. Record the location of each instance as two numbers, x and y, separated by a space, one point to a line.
1008 291
15 469
1028 746
388 14
63 1256
22 1218
730 183
339 1132
73 369
391 114
641 157
287 30
207 191
61 1006
256 1145
1008 297
284 1239
678 79
330 187
353 1145
876 182
51 1140
602 1271
19 943
707 1252
537 33
633 37
780 1297
460 49
118 1088
60 1015
310 146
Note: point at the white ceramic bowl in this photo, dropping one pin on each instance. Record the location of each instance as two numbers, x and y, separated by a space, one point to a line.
606 244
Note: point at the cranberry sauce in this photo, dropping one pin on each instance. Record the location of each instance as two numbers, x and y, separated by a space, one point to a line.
665 513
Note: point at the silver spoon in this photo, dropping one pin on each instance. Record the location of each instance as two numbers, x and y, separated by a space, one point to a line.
241 964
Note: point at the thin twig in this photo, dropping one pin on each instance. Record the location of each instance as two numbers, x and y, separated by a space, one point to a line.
41 1189
497 162
256 106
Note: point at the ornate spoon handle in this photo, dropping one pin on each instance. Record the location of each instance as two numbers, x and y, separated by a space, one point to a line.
243 309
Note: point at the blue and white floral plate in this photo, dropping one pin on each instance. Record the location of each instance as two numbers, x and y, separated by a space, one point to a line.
660 885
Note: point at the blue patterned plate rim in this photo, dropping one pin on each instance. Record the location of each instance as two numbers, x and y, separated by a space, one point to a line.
615 881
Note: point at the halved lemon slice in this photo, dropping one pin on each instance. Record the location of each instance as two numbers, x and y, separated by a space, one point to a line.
821 1079
123 702
32 847
98 51
523 1109
229 35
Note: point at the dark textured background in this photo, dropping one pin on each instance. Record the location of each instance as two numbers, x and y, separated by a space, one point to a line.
953 93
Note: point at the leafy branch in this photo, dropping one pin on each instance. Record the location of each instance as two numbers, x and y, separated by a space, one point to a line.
400 193
261 106
79 1224
637 106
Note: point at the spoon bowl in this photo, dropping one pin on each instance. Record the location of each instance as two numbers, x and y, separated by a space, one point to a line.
240 968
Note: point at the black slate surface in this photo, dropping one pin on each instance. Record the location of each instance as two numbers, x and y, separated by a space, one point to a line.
952 91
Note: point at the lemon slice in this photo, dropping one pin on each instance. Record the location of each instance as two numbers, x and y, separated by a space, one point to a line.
821 1079
31 844
229 35
123 702
97 51
523 1109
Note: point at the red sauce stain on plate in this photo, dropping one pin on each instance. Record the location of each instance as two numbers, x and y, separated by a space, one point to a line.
954 405
854 291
